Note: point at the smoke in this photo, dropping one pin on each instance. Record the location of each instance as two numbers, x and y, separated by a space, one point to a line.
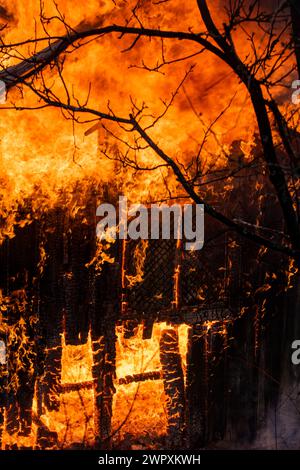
279 429
282 427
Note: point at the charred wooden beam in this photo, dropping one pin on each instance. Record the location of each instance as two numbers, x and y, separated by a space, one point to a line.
206 392
104 311
142 377
81 239
128 379
192 315
173 380
51 378
103 373
77 386
148 328
51 308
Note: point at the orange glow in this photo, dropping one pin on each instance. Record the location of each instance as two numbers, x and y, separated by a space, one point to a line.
47 161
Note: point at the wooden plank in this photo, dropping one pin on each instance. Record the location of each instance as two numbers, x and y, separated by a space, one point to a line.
103 314
81 235
192 315
173 380
128 379
50 327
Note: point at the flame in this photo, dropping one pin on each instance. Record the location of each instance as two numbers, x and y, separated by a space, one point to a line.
35 164
139 257
141 407
48 161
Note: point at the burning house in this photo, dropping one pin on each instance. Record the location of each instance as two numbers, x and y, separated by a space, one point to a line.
68 297
142 344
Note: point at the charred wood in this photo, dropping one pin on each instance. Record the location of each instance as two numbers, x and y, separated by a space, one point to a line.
173 380
104 311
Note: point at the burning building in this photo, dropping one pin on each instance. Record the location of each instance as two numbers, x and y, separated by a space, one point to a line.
141 343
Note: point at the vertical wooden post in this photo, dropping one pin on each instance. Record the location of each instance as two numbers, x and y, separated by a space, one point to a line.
103 375
79 252
206 384
103 314
51 309
173 380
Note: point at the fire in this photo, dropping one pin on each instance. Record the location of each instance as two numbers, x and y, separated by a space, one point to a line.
138 261
49 162
139 408
34 164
